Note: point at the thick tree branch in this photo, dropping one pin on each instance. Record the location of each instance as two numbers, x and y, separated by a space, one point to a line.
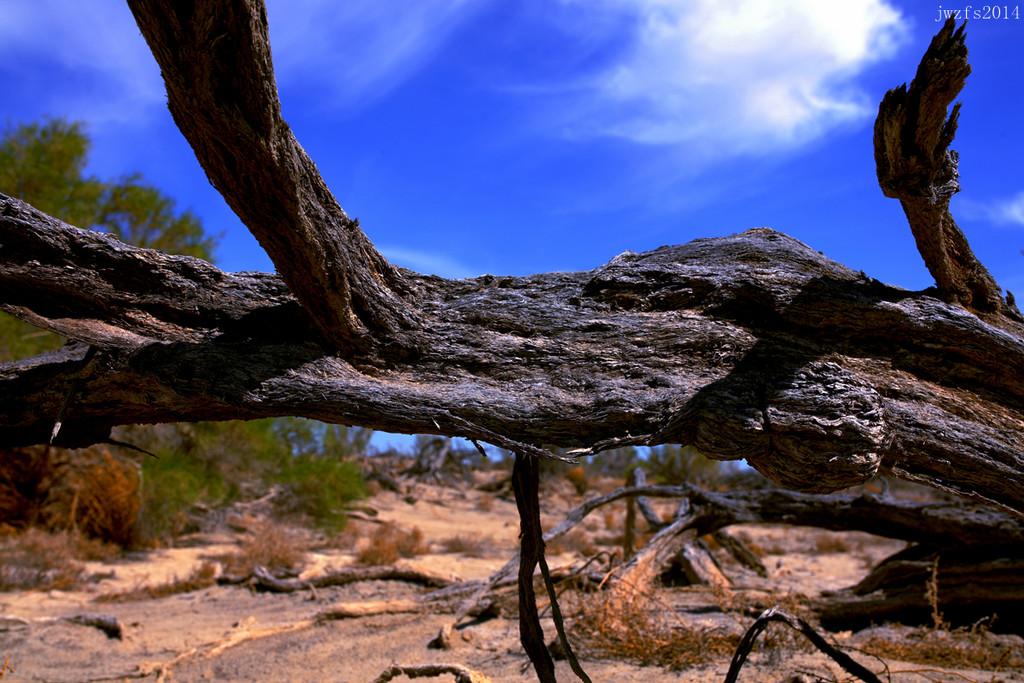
751 346
215 61
916 166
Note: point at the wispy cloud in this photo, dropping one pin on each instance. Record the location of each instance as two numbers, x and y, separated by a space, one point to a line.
1008 211
726 78
349 51
357 50
427 262
96 45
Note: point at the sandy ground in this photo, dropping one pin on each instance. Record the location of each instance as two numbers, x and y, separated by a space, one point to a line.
192 632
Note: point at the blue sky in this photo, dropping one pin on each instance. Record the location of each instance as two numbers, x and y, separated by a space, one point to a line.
486 136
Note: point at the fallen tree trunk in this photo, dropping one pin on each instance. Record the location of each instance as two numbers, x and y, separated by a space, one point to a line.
657 346
937 586
966 563
263 581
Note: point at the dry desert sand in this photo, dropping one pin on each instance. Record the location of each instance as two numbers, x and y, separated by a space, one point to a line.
231 633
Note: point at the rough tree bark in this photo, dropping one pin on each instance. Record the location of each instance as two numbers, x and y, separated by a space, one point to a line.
752 346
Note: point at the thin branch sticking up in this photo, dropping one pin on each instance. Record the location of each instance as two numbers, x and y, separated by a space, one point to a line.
916 166
849 664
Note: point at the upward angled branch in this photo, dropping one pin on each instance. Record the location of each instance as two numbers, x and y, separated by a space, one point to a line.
916 166
215 60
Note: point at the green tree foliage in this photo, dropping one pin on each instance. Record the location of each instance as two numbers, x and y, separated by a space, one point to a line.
44 165
213 463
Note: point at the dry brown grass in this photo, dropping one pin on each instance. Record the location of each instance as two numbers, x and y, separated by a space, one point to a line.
825 542
639 630
42 560
470 546
612 520
6 667
91 491
485 503
203 576
577 476
950 649
104 498
390 542
269 545
576 541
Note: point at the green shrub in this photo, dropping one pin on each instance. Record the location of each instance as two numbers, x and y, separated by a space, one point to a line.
319 487
675 464
172 484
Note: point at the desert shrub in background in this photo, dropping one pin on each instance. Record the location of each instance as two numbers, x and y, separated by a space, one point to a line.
319 488
614 463
576 541
269 545
577 476
172 485
470 546
23 474
388 543
91 490
675 464
41 560
214 463
97 494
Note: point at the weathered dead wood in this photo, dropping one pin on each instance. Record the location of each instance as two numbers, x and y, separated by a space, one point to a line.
526 484
263 581
697 563
110 625
848 663
216 64
629 531
461 673
750 346
952 523
740 551
369 608
916 166
650 515
753 346
922 584
896 379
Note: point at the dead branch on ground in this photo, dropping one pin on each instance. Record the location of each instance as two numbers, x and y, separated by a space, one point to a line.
848 663
461 673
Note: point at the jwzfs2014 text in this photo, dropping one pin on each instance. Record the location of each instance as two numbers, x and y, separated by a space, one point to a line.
982 13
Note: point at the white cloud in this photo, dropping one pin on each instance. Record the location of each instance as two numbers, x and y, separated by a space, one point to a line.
1009 211
358 49
96 43
1001 212
743 76
427 262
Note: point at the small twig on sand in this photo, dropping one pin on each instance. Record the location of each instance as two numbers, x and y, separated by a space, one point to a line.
461 673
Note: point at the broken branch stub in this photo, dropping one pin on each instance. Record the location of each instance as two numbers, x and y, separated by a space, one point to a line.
916 166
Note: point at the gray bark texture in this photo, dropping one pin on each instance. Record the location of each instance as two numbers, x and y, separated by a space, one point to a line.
751 346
